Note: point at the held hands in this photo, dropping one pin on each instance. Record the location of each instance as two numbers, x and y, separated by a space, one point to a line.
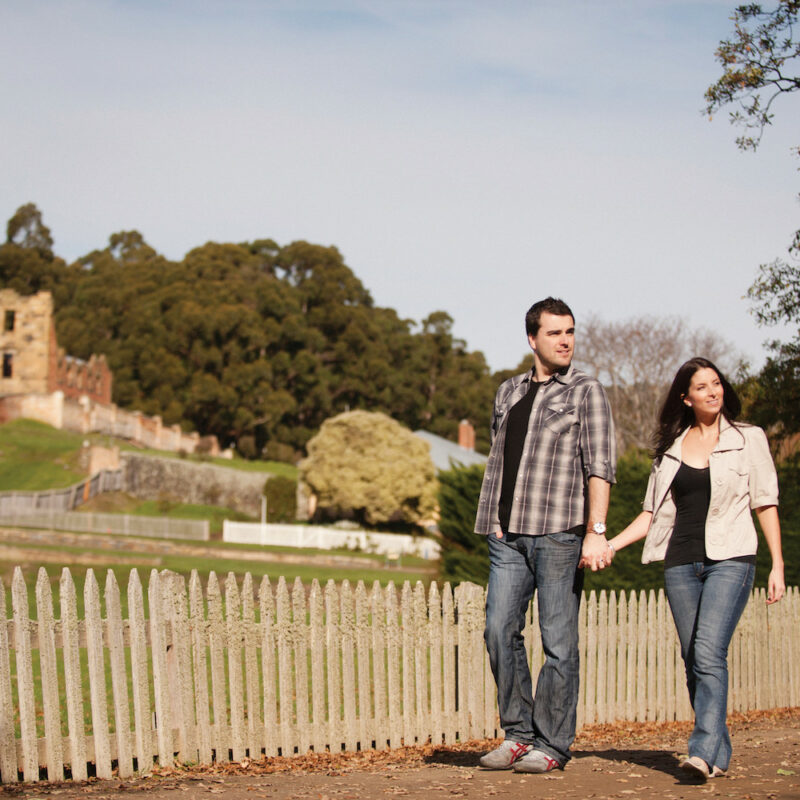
596 553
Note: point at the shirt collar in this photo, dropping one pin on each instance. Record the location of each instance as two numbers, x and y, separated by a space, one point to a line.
730 438
563 375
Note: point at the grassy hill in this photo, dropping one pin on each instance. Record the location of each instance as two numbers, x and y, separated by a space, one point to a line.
36 457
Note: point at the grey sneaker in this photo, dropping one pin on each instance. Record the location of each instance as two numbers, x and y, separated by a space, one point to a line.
504 756
536 761
696 767
717 772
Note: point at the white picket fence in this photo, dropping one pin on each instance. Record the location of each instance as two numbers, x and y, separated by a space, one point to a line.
212 675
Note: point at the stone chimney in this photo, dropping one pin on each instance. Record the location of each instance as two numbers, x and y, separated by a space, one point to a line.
466 435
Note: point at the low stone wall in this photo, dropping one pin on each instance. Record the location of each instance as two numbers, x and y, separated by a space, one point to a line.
154 478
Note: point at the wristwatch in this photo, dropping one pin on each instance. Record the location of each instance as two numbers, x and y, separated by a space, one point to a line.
599 528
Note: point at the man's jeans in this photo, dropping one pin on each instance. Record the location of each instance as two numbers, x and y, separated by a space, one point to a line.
707 600
517 566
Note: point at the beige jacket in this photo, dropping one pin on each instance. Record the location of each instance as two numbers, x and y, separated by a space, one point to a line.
742 478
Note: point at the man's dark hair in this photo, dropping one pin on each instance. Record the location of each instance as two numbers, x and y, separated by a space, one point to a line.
550 305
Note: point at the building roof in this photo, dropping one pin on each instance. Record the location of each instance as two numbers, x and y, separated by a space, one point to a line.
446 454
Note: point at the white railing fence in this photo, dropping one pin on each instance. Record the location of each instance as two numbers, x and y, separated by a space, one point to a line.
323 538
20 502
197 675
197 530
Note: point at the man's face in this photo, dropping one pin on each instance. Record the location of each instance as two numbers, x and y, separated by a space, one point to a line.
554 342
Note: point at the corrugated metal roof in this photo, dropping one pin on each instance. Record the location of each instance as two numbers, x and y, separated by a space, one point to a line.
446 454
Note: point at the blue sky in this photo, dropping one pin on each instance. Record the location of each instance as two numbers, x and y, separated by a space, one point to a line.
466 156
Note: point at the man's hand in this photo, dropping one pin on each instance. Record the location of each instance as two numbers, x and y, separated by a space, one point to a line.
595 552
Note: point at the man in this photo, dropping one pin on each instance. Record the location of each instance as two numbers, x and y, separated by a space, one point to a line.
543 506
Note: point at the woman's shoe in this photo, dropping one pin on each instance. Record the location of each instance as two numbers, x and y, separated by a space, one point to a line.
717 772
696 767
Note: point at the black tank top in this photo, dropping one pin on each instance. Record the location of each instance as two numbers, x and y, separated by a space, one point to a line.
691 491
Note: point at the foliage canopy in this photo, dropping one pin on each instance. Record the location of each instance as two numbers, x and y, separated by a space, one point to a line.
757 62
248 340
760 63
366 466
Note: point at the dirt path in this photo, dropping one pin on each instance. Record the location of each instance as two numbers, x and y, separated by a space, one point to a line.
627 762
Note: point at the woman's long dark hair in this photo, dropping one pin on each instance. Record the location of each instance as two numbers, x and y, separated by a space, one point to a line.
676 416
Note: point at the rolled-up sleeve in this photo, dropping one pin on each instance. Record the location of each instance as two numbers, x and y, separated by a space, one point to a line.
763 479
649 502
598 445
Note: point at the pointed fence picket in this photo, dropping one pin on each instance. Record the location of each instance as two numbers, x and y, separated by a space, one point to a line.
237 671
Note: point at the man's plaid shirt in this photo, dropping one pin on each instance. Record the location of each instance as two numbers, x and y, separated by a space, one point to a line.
570 438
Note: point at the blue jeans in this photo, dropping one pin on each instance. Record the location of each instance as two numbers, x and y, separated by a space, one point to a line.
707 600
518 565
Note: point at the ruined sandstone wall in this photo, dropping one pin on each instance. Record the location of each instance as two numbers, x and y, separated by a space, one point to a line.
78 378
27 344
47 408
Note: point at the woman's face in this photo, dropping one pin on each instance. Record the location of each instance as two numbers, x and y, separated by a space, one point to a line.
705 393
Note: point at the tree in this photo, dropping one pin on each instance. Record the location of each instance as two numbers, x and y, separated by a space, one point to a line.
252 342
755 61
27 229
465 556
366 466
758 62
636 359
27 263
773 398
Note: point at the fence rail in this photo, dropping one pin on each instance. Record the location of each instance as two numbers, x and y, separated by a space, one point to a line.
53 510
119 524
237 671
18 502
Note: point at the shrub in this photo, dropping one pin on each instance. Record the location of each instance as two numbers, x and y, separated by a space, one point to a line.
246 445
281 494
464 553
366 466
277 451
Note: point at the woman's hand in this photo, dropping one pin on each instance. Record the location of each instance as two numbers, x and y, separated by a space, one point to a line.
599 562
776 586
771 527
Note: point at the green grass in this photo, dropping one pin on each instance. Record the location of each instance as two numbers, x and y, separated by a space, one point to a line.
271 467
36 457
225 558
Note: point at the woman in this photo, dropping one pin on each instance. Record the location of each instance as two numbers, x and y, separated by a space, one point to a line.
708 473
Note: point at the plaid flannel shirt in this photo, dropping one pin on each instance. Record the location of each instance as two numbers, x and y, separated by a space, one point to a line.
570 438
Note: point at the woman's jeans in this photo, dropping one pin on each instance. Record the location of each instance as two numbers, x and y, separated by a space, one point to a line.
707 599
518 565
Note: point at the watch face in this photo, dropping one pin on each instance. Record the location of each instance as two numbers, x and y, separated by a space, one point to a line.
599 528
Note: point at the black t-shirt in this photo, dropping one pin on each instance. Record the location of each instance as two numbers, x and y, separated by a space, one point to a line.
516 431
